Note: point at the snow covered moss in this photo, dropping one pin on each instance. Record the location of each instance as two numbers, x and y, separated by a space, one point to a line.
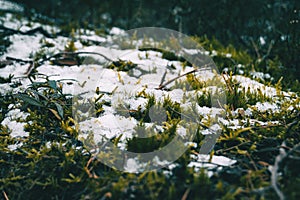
48 158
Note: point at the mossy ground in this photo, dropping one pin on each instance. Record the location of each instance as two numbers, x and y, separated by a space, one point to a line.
52 163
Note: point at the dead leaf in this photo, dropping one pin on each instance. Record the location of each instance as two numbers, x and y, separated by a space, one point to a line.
55 113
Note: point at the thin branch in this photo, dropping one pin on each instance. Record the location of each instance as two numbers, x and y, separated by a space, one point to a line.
161 86
255 48
18 59
294 149
227 83
269 49
10 31
230 148
295 122
291 149
163 79
5 195
60 54
186 194
274 171
75 54
33 64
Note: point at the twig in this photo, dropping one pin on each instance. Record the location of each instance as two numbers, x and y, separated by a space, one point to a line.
230 148
58 55
289 148
255 48
163 79
18 59
295 122
5 195
274 171
30 32
294 149
34 64
161 86
186 194
228 83
74 54
88 171
29 69
252 161
269 49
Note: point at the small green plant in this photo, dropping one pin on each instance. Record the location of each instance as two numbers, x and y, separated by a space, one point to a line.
5 100
46 43
240 97
121 65
70 47
6 80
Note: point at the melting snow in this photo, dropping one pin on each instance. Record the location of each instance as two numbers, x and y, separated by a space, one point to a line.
11 121
267 106
119 87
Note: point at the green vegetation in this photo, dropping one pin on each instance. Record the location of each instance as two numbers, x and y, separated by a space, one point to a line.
53 163
121 65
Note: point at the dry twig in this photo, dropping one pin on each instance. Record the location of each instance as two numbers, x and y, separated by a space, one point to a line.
274 169
186 194
5 195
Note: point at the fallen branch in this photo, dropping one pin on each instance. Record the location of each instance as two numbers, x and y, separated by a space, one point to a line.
10 31
64 54
274 170
67 58
8 58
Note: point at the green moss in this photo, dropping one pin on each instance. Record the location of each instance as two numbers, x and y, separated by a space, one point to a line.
46 43
5 101
70 47
51 163
121 65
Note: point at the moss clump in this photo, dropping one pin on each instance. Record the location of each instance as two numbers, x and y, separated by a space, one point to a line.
121 65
